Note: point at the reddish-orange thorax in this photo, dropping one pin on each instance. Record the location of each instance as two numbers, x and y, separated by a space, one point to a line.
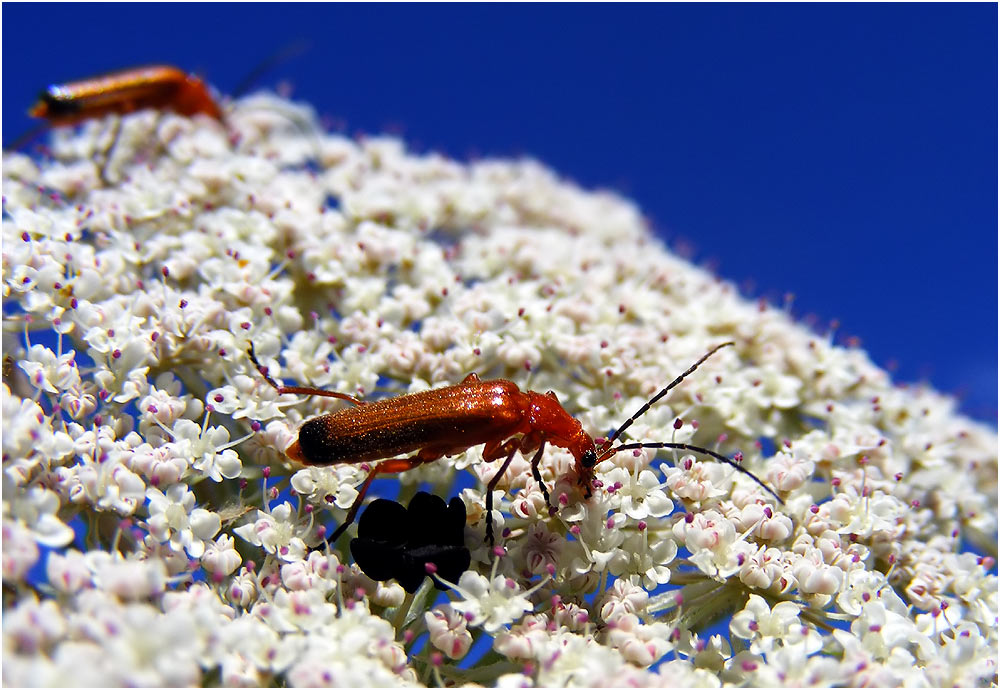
559 428
193 98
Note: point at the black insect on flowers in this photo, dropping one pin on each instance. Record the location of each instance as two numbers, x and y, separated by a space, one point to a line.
408 543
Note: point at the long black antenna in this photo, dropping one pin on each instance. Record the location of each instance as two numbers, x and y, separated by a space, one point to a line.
267 64
607 451
651 401
698 449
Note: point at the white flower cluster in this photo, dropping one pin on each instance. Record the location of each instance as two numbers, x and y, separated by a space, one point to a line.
154 533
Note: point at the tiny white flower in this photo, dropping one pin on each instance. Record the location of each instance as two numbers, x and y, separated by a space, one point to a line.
277 531
48 372
324 486
20 551
642 644
317 571
490 603
712 541
861 586
208 447
697 481
37 509
174 519
623 597
448 631
640 497
221 556
127 579
32 626
814 576
765 626
68 572
646 553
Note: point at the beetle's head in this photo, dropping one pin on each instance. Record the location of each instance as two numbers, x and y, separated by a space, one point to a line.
586 458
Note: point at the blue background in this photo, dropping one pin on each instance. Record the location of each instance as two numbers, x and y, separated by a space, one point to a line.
843 153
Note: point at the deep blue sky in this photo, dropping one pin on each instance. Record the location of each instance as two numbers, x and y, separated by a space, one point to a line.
843 153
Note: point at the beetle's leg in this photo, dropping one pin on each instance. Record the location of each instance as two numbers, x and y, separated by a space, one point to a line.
385 467
109 152
489 492
530 442
538 475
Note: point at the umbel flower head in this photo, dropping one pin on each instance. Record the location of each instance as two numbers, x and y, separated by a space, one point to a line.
408 544
156 533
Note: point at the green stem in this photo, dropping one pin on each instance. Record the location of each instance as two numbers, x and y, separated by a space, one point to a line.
401 612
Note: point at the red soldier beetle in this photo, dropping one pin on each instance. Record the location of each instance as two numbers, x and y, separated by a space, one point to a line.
154 87
450 420
160 87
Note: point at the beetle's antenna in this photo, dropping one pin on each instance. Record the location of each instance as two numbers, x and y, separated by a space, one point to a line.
695 449
298 390
26 137
651 401
284 54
